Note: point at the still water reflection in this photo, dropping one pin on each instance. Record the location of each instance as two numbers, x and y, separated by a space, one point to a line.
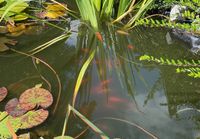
116 85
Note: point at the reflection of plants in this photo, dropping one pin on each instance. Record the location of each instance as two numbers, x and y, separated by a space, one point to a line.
192 67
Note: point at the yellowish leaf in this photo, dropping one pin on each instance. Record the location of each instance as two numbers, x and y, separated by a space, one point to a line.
16 28
54 11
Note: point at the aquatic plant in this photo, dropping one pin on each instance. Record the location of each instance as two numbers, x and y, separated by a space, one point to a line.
190 17
96 11
192 67
13 9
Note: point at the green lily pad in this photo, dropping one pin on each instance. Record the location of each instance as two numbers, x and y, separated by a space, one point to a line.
14 109
3 93
33 118
63 137
35 97
4 41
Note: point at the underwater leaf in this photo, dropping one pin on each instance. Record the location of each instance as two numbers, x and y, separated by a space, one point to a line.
35 97
63 137
14 109
3 93
4 41
33 118
54 11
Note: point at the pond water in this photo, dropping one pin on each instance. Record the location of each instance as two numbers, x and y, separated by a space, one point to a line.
116 85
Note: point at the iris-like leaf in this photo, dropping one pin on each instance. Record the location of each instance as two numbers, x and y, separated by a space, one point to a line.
35 97
14 109
3 93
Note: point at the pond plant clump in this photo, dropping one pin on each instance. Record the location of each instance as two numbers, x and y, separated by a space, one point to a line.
27 17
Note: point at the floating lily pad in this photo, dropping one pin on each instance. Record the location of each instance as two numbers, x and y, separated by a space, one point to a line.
3 93
14 109
33 118
35 97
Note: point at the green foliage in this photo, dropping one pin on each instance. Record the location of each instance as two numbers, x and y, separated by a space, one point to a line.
123 6
91 10
191 14
87 11
194 27
183 66
107 8
141 10
12 9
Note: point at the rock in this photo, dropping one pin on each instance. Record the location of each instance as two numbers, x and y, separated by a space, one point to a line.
176 13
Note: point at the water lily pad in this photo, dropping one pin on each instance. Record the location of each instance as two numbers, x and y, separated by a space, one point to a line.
14 109
4 41
35 97
33 118
3 93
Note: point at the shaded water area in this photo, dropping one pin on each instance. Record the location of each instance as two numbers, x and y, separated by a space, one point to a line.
116 84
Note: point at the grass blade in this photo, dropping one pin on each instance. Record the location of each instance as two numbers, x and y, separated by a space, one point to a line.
81 74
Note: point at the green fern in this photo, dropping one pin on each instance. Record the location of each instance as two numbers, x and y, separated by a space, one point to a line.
192 67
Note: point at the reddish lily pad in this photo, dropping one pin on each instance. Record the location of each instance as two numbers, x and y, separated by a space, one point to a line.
33 118
3 93
14 109
35 97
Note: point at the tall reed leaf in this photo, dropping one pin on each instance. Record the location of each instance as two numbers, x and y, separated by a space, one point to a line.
87 11
145 4
81 74
107 8
123 6
97 4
